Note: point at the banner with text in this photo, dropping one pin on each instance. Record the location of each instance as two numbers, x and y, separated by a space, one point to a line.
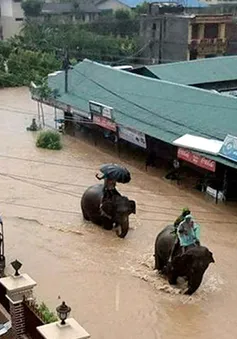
229 148
105 123
133 136
196 159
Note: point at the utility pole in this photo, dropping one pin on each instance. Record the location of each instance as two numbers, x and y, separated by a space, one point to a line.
66 64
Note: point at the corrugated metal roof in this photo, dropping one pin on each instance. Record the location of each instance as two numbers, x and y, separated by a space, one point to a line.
198 71
160 109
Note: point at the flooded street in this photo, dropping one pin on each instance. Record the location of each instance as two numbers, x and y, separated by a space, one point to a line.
108 282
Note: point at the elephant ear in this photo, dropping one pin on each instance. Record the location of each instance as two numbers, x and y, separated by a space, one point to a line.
185 259
132 205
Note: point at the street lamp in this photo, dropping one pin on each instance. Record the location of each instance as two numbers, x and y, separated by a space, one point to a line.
63 311
16 265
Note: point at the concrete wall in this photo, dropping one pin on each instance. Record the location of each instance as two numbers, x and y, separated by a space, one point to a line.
11 19
175 39
167 36
6 7
10 27
231 35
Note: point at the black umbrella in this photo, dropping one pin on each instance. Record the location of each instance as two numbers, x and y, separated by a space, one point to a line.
116 172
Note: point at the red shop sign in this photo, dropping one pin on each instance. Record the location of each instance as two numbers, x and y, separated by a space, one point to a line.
196 159
103 122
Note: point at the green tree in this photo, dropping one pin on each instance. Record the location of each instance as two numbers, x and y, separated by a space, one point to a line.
122 14
32 8
142 8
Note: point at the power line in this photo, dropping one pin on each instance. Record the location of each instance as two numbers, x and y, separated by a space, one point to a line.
40 208
45 162
152 112
40 186
25 178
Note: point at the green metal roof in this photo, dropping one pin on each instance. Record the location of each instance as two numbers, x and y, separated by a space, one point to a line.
198 71
160 109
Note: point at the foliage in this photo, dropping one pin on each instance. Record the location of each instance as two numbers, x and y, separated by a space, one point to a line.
142 8
5 49
8 80
40 48
49 139
79 40
47 315
122 14
32 8
1 63
25 66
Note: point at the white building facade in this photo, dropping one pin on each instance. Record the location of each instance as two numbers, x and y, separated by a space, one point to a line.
11 18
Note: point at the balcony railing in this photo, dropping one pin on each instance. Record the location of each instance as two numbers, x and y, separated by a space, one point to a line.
196 42
206 46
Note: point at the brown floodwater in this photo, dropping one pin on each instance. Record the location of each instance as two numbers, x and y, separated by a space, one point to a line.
109 282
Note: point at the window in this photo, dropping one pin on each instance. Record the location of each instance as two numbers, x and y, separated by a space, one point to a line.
195 31
193 55
211 31
153 31
19 19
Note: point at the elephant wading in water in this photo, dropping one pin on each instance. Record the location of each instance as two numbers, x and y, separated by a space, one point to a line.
191 265
111 213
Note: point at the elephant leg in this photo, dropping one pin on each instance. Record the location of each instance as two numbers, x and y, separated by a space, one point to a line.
193 283
172 276
85 215
107 224
159 263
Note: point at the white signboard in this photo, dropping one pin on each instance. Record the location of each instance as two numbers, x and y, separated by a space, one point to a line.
107 112
100 109
133 136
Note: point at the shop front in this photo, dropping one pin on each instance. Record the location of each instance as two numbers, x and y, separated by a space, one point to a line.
206 174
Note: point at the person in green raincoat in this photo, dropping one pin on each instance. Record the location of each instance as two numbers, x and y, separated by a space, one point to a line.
185 212
188 233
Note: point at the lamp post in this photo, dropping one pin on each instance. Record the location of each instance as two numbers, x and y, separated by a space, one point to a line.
66 330
2 254
16 265
63 311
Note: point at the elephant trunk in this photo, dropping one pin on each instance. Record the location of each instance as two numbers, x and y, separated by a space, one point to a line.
194 282
122 227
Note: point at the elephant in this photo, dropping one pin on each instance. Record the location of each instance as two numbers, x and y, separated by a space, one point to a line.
111 213
191 265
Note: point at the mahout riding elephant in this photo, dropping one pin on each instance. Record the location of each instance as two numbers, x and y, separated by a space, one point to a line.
110 213
191 265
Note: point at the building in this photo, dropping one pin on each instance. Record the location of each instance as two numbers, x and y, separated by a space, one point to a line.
149 113
171 37
220 2
84 11
218 73
207 36
12 15
11 18
108 5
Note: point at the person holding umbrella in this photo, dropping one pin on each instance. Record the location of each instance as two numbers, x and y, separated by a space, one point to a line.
113 173
109 187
